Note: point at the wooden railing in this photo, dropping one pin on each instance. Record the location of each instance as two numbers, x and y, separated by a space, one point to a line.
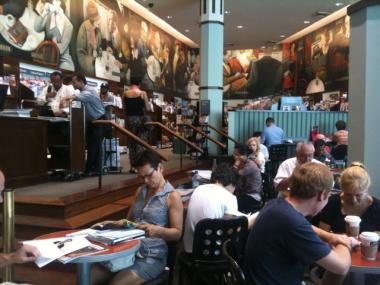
166 129
220 132
132 136
215 141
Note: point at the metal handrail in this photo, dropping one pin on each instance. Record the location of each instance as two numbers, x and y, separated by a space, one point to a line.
204 135
166 129
8 230
220 132
132 136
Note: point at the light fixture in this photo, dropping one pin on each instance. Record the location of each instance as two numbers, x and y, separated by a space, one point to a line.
227 12
187 30
338 4
315 86
169 17
239 27
263 47
306 22
282 36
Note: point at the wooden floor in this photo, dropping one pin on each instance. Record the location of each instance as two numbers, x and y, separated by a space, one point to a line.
54 206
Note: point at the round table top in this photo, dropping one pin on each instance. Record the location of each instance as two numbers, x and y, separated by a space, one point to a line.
113 251
359 264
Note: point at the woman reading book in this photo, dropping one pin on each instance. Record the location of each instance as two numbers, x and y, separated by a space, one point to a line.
156 209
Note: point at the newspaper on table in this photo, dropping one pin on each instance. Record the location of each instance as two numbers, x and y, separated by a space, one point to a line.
111 237
88 250
54 248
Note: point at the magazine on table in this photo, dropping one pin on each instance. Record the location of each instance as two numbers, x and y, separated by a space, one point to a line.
54 248
112 236
88 250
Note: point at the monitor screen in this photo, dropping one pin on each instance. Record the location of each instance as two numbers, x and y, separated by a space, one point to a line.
35 77
3 95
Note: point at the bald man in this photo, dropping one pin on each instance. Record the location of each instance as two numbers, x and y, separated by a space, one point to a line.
304 153
25 253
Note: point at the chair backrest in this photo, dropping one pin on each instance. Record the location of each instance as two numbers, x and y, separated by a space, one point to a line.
268 188
237 274
340 152
210 234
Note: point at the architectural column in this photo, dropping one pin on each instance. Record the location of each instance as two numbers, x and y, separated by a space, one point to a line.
364 88
211 52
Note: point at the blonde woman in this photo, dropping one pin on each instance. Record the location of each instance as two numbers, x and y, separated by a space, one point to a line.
256 155
353 200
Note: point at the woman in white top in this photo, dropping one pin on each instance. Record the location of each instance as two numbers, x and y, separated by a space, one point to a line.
256 155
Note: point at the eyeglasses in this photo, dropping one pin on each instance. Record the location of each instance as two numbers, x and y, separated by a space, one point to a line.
148 176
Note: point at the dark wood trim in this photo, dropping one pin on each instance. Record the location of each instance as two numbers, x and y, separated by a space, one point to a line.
215 141
212 22
210 88
361 5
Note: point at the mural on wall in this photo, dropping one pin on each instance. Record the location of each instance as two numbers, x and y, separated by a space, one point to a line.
100 38
319 61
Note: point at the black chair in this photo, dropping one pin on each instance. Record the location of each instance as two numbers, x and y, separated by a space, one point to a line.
269 192
236 275
167 276
207 258
340 152
277 154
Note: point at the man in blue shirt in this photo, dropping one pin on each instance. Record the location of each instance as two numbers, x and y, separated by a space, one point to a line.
272 134
283 243
94 132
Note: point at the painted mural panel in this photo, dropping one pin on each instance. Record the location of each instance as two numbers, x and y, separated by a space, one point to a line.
101 38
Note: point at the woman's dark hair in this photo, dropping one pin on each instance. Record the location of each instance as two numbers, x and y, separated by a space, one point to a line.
224 174
147 157
243 149
135 80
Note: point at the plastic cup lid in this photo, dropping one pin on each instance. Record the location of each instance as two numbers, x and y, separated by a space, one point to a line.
353 219
370 236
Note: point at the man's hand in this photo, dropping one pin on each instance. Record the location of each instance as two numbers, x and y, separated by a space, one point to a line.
335 239
27 253
151 230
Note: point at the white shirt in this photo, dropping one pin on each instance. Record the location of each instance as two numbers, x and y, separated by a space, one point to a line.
207 201
64 91
286 169
264 151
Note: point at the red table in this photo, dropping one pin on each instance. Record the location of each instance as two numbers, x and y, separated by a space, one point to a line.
361 266
113 251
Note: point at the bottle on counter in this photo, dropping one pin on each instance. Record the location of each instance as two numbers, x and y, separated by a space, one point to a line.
195 180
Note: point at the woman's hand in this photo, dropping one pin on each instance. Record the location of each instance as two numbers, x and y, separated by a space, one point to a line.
151 230
116 224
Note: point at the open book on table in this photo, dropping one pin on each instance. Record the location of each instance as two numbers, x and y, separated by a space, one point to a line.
112 236
88 250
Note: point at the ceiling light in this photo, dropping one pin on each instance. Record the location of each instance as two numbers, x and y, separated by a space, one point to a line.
282 36
227 12
263 47
169 17
306 22
187 30
239 27
338 4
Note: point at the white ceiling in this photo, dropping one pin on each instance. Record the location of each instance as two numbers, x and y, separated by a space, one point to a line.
263 21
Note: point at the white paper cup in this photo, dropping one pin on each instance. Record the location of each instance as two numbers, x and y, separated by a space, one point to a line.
369 244
352 225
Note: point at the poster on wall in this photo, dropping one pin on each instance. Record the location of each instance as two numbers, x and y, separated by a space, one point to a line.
100 38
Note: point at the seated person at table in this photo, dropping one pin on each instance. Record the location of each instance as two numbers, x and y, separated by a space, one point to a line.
341 135
256 155
283 243
263 148
26 253
320 152
203 204
304 153
158 210
248 187
353 200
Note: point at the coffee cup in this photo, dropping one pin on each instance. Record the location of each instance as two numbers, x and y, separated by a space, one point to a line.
369 243
352 225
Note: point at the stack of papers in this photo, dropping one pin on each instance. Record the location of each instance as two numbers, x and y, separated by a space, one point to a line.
88 250
54 248
111 237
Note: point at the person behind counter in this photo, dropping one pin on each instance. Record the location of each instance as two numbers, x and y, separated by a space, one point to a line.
136 102
53 95
94 132
26 253
157 209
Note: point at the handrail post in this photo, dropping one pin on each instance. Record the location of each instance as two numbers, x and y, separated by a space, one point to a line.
8 230
180 155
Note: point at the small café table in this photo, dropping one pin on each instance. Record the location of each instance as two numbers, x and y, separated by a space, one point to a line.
122 249
360 267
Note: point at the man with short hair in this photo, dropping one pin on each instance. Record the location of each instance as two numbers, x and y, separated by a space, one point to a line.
249 184
26 253
341 135
272 134
53 94
304 153
283 243
94 132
